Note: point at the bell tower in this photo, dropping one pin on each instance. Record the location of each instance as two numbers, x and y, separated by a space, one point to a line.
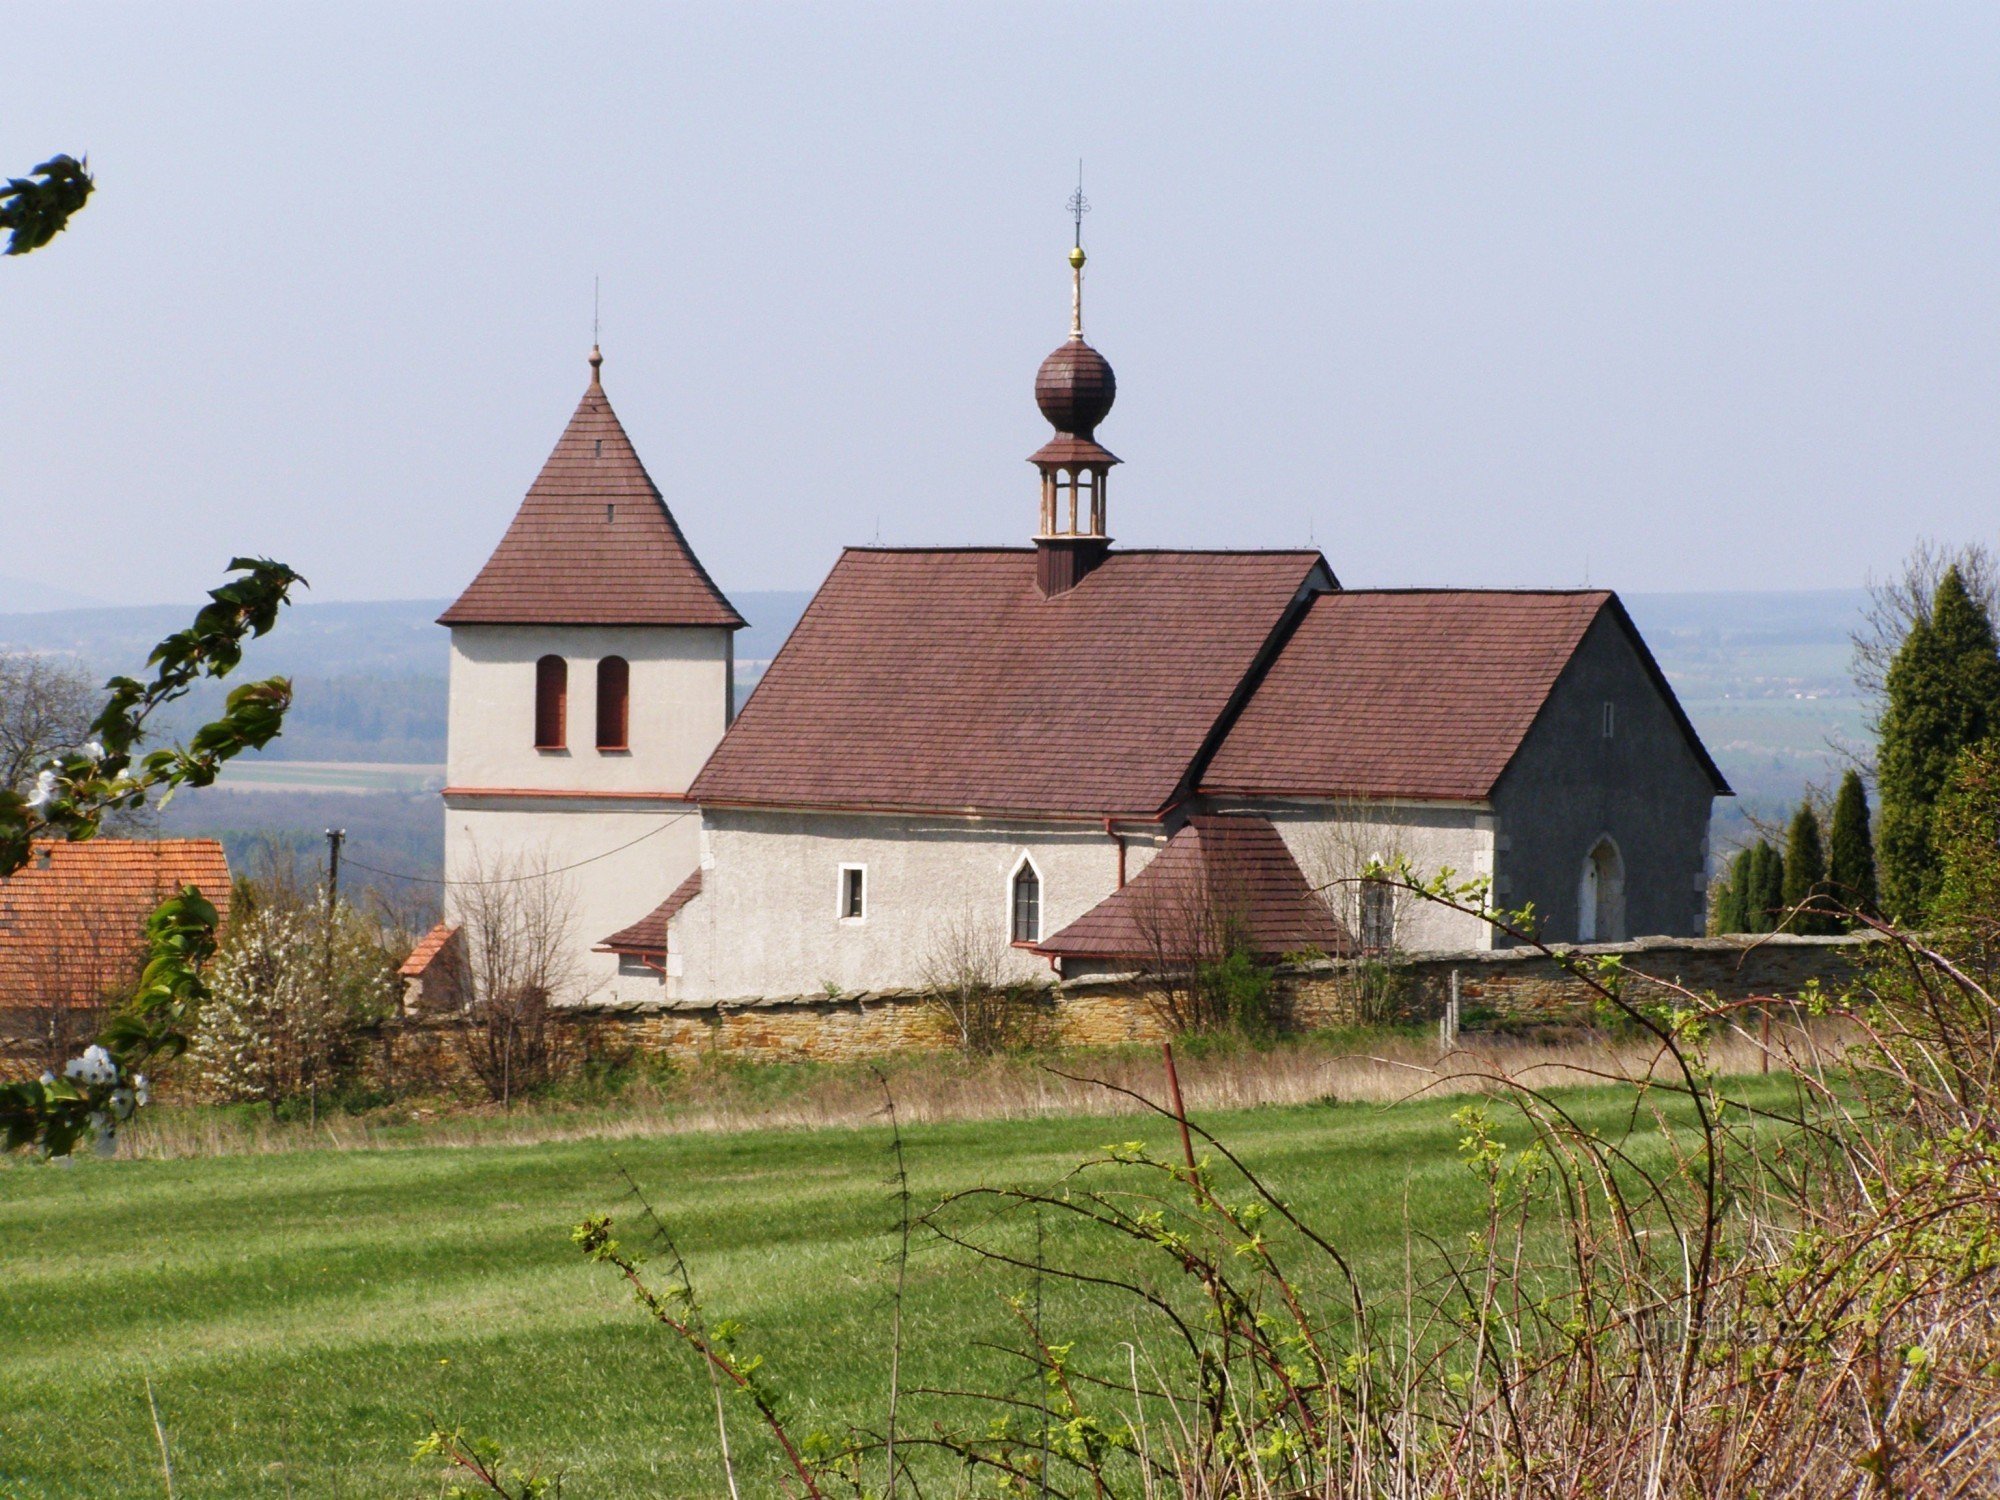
1074 389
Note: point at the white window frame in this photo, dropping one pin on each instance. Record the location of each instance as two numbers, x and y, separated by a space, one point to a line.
1041 899
840 894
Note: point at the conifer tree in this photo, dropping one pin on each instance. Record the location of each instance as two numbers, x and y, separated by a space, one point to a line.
1735 886
1850 866
1767 888
1944 696
1805 873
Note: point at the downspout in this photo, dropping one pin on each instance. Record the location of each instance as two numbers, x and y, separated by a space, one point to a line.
1119 839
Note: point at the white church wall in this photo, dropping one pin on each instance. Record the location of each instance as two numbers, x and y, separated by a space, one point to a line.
679 706
611 866
1335 841
768 921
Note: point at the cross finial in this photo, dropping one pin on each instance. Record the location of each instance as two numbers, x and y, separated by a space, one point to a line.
596 356
1078 206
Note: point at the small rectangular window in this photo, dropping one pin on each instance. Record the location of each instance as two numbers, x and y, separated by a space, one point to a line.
853 893
1610 719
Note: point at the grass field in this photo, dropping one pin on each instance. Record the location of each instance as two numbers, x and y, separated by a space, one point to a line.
299 1314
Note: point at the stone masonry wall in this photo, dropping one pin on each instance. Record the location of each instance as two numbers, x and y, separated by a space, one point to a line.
1507 989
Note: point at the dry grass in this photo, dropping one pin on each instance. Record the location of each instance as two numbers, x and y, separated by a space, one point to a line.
1380 1070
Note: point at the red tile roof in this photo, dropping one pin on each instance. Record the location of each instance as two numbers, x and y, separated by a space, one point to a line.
942 679
649 933
429 946
563 563
73 919
1216 872
1412 693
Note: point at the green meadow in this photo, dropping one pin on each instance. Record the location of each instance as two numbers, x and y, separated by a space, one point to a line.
301 1316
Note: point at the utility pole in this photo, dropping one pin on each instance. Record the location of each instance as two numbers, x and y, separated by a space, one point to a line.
334 838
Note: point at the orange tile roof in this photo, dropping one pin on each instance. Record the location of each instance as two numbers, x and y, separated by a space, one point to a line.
72 920
593 543
429 946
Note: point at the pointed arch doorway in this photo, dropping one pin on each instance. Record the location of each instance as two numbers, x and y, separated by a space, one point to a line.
1600 898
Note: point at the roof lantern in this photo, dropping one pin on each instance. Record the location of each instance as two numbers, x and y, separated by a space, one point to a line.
1074 388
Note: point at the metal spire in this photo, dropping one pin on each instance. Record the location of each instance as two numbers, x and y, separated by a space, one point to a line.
596 356
1078 206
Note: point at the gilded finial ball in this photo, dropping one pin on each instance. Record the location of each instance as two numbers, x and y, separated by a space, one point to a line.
1076 258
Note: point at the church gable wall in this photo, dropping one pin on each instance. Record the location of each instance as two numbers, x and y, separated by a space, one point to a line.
769 919
679 692
1571 785
1335 840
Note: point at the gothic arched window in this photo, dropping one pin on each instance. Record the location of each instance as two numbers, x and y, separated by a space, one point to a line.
1026 904
551 703
614 682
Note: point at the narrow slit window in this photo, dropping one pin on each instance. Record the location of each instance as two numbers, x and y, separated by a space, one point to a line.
1027 905
1610 719
853 893
614 707
551 703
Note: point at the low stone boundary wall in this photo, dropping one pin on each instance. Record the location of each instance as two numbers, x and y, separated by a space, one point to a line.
1505 989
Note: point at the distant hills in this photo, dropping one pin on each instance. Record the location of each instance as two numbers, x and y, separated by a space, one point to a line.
1764 676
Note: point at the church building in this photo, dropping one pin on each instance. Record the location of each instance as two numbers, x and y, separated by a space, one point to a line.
1037 752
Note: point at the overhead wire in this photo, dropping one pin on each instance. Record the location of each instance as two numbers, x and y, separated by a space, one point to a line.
355 864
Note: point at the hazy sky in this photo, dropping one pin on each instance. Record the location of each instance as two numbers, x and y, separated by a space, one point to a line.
1675 297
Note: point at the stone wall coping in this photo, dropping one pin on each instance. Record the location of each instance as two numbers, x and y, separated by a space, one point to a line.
1739 944
1465 958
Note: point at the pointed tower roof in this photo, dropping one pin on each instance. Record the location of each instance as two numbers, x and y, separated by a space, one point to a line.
593 543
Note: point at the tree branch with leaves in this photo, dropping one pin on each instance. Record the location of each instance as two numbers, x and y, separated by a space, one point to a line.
70 799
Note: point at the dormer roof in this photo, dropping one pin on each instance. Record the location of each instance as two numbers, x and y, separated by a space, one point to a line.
593 543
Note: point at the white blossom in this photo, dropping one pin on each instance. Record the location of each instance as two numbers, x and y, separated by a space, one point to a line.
45 789
142 1094
94 749
47 1078
121 1103
94 1069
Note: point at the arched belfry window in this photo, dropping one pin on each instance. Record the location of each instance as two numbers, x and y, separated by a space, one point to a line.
1025 903
551 703
614 709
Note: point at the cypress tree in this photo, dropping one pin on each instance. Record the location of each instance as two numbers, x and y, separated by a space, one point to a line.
1850 866
1767 887
1805 872
1729 913
1944 696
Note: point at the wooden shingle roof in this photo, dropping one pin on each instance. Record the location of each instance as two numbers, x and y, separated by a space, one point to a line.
1420 693
943 680
73 919
1217 873
593 543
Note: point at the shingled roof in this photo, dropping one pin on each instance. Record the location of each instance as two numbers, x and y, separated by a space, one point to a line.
943 680
1217 872
73 919
648 935
593 543
1423 693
